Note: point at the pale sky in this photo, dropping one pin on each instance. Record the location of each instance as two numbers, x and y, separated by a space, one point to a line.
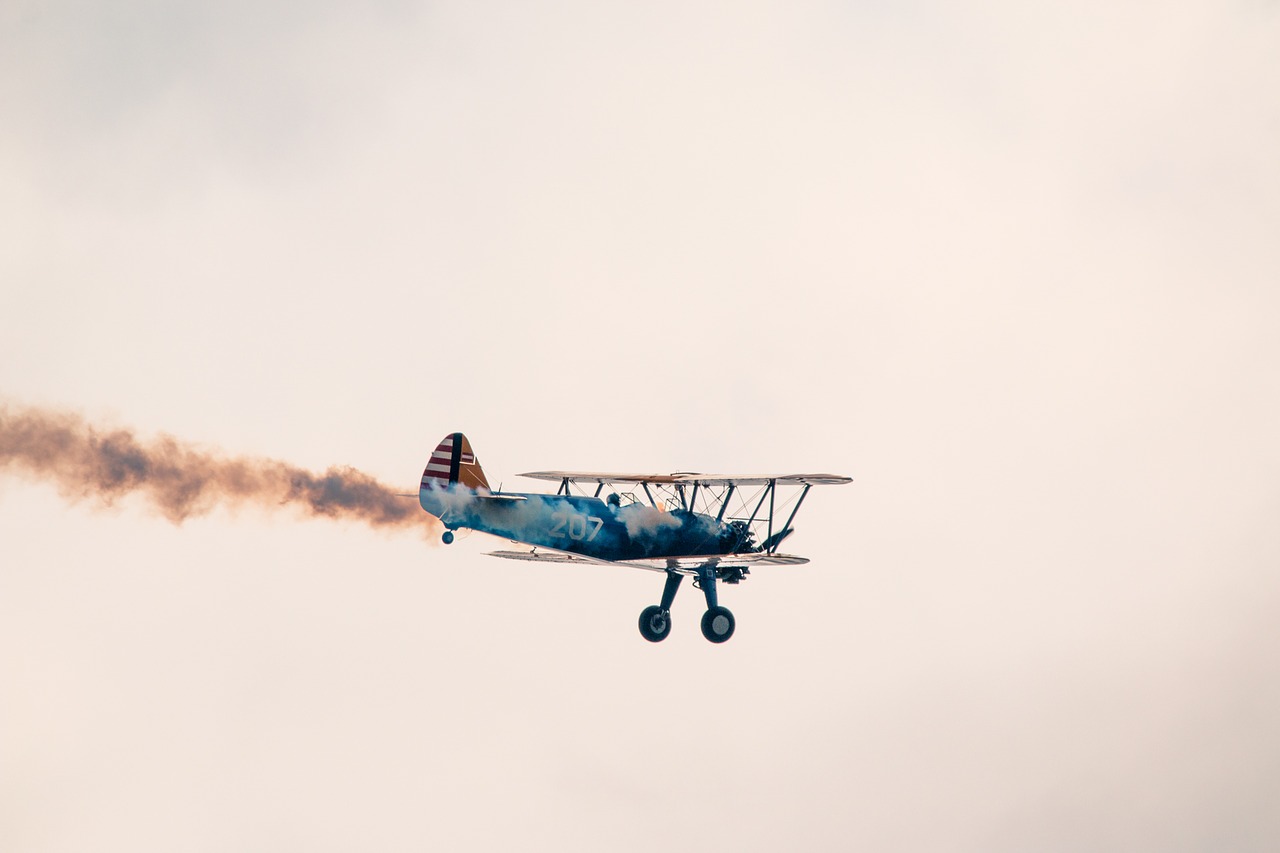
1013 267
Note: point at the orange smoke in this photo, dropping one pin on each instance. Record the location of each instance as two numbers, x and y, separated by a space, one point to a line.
180 481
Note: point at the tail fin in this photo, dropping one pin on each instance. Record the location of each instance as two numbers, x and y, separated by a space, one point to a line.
454 462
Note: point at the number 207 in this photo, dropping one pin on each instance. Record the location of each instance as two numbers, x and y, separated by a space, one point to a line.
579 528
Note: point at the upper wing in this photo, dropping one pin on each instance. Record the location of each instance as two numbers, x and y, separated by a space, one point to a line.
691 479
595 477
682 565
480 496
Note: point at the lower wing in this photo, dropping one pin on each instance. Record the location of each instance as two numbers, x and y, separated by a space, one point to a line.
682 565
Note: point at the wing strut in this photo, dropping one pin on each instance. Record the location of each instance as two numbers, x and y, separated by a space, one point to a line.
796 509
772 488
724 506
756 511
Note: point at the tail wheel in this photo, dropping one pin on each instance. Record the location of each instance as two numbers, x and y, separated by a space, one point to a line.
447 538
717 624
655 623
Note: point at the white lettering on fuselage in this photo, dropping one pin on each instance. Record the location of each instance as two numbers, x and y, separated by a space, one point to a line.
579 528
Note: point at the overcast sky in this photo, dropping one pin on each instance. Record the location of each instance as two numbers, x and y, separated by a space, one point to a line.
1013 267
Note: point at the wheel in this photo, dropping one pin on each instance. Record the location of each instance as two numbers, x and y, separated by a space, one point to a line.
655 623
717 624
447 538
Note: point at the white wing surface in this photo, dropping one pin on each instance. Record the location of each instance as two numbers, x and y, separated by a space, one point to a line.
548 555
683 565
690 478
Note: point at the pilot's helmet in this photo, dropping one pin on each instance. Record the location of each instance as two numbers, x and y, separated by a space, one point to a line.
614 500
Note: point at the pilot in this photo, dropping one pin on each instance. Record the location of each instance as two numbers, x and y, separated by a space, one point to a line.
614 501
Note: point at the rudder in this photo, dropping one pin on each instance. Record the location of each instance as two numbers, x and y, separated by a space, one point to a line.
453 461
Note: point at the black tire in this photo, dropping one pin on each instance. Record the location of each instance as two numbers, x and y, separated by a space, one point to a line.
717 624
655 623
447 538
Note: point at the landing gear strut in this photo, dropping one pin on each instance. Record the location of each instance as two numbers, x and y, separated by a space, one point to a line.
717 622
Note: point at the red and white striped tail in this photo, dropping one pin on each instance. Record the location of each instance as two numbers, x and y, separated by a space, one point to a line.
453 461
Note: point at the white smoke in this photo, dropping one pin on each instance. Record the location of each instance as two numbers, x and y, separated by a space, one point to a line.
645 521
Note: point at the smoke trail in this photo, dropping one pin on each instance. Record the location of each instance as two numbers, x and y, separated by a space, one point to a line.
181 481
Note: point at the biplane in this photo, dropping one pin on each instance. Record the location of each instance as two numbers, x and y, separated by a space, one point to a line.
714 529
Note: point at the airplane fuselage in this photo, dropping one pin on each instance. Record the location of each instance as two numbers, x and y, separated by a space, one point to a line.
585 525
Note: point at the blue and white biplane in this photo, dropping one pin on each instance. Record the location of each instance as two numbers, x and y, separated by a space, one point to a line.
712 528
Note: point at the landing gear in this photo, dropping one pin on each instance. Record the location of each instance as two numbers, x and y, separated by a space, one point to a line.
655 620
717 624
447 538
655 623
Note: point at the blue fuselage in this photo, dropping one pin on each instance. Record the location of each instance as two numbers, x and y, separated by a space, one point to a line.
586 525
